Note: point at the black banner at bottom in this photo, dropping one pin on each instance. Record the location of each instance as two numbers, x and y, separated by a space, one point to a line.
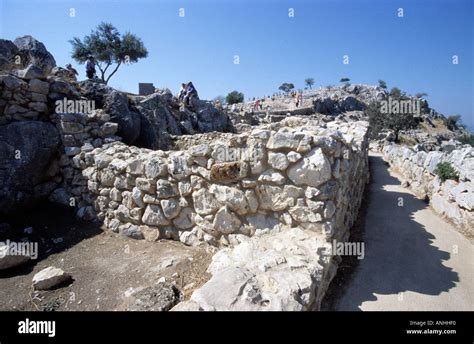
62 327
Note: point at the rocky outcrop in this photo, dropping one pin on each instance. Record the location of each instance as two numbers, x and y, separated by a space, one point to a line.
286 270
26 57
35 53
27 150
8 51
151 121
30 95
451 199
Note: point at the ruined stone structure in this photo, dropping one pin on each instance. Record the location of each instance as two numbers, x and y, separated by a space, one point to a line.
451 199
273 198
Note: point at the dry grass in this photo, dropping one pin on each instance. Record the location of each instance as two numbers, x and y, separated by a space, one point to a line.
440 127
194 275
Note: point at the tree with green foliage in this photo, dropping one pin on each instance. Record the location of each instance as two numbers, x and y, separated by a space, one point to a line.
286 87
395 92
382 84
345 81
309 82
109 48
380 120
234 97
453 121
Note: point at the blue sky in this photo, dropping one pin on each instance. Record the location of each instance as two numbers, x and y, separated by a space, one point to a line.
413 53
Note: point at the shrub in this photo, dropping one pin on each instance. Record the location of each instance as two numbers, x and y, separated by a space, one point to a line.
234 97
467 139
446 171
452 122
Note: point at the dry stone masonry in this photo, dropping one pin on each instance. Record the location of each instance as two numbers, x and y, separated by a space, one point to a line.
294 173
272 198
290 188
451 199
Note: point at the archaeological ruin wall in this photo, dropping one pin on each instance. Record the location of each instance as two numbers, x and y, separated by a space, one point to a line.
294 174
452 199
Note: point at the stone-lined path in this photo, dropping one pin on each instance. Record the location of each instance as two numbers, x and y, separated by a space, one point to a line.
414 260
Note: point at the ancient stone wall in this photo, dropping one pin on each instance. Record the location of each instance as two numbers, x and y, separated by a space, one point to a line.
38 143
294 174
452 199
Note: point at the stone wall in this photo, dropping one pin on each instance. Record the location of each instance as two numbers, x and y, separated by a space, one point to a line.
80 133
294 173
276 196
451 199
37 144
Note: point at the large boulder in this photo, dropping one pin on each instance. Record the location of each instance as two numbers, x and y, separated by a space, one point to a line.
116 104
33 52
150 121
162 117
158 122
95 90
8 51
26 151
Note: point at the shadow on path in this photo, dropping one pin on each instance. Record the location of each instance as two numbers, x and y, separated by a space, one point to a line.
399 254
55 229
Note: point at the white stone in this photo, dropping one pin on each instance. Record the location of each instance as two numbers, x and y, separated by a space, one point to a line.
204 202
226 221
170 207
154 216
49 278
230 196
293 156
271 198
313 170
283 140
278 161
270 176
185 219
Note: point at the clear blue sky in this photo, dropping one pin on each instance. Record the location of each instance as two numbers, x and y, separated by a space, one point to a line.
414 52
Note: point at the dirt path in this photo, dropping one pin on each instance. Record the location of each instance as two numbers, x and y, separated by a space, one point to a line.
105 266
414 260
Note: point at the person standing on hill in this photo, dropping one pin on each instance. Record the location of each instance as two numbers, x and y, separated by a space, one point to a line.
90 67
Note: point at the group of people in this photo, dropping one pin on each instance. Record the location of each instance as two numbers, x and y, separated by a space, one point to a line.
257 105
187 93
299 99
